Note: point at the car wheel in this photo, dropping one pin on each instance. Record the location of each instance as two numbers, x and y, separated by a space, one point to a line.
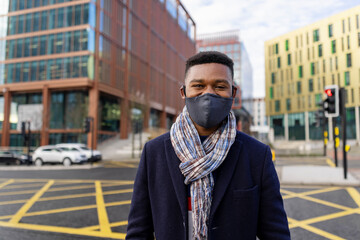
67 162
38 162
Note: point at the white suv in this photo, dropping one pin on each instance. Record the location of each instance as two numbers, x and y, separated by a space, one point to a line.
79 147
53 154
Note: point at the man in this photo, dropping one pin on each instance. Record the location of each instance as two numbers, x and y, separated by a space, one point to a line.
204 179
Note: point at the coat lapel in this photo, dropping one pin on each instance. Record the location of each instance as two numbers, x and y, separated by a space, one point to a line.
224 175
177 178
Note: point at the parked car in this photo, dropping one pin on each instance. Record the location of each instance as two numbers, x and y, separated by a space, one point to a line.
53 154
79 147
12 157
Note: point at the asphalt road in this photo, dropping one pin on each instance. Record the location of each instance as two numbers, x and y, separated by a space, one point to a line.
94 204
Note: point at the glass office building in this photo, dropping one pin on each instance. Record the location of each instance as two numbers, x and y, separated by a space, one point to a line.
62 61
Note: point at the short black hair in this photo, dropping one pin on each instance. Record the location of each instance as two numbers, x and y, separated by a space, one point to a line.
210 57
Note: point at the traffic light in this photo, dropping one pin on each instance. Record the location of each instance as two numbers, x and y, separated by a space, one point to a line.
87 125
331 102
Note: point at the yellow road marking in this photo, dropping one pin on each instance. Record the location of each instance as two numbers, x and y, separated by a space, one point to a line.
75 231
328 217
330 163
6 183
292 194
24 186
101 209
16 218
121 164
69 209
58 189
20 180
69 196
354 195
312 229
115 224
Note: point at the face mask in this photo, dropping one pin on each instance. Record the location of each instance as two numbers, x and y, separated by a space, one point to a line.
208 110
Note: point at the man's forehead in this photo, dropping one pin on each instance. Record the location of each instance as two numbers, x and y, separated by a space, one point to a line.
213 71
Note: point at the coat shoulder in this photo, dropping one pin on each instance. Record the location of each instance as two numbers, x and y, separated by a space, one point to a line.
249 141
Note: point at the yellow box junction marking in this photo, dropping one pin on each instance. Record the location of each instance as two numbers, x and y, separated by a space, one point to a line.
305 224
16 218
101 209
6 183
330 163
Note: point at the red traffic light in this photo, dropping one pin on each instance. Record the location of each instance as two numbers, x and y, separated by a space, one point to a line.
328 92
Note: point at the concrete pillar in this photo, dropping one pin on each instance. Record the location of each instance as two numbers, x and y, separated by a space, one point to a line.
5 138
124 116
307 127
45 116
286 126
357 125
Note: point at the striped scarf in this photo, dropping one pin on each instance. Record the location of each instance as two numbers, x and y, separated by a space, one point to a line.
198 160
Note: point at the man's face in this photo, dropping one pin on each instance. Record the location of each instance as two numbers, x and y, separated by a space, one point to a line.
212 78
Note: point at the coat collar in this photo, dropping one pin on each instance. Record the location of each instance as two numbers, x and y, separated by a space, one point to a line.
224 175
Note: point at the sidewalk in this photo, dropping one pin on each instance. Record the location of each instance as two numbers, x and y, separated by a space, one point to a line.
316 175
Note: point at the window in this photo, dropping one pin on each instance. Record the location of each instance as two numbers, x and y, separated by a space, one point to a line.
312 68
271 92
52 19
320 50
278 62
357 21
36 23
311 85
359 39
277 106
348 60
43 43
287 45
336 63
289 59
273 78
331 31
349 25
44 20
348 42
347 78
300 71
298 87
324 66
333 46
343 26
316 36
34 46
28 19
60 17
288 104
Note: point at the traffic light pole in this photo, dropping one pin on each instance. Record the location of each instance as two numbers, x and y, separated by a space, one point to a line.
343 125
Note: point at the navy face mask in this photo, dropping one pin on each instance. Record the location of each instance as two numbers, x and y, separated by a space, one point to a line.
208 110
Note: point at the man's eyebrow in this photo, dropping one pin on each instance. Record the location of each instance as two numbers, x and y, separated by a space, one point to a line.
222 81
197 80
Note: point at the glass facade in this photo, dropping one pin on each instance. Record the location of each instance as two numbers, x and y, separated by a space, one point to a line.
17 140
56 138
277 123
296 126
68 109
315 133
21 99
109 111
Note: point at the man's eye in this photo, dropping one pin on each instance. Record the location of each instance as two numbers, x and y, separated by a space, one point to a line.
221 87
197 86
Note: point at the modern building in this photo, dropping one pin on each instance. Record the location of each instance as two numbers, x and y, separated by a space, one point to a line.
228 43
259 127
114 61
299 64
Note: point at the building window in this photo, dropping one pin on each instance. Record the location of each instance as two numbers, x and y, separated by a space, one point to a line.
331 31
289 59
312 68
343 26
347 78
288 104
298 87
348 42
277 106
287 45
300 71
357 21
276 48
324 66
348 60
279 62
318 99
316 36
311 85
320 50
271 92
333 46
272 78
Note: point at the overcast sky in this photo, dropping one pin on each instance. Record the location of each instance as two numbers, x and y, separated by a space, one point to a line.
260 20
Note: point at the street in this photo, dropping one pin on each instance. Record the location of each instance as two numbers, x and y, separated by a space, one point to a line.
94 203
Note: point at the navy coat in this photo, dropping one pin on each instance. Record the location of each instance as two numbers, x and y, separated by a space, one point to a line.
246 196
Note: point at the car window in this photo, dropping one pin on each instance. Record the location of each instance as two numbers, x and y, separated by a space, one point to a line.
84 148
74 149
65 149
46 150
56 150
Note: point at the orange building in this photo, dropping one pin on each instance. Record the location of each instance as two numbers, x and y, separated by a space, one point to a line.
114 61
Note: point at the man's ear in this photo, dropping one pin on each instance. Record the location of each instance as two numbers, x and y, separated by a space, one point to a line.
234 91
183 91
